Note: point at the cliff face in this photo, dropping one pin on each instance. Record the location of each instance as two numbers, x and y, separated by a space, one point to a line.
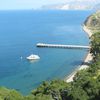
93 22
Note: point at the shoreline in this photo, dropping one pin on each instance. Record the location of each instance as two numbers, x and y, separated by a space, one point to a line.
87 59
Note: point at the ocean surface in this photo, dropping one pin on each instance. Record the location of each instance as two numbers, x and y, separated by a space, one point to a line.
20 31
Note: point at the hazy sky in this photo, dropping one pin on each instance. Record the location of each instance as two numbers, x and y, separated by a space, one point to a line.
26 4
29 4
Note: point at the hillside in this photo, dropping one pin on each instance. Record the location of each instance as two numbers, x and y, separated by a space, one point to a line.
93 22
67 7
74 5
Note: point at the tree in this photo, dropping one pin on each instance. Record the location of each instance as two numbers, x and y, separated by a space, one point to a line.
95 45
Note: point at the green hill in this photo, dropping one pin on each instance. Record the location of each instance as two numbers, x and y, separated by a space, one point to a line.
93 22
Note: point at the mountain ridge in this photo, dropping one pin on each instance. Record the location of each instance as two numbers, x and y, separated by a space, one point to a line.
73 5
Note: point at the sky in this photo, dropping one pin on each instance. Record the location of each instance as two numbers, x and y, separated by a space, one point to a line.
34 4
26 4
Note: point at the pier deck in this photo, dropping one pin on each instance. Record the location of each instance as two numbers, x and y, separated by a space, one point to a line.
62 46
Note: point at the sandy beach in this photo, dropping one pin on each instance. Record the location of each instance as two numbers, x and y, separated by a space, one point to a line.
88 58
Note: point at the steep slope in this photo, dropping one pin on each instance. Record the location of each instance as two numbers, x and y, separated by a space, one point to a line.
93 22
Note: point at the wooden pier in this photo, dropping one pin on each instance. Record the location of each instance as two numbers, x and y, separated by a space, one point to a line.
62 46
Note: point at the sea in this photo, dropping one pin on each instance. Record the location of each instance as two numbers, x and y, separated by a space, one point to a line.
20 31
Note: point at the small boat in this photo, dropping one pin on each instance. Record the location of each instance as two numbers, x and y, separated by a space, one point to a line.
33 57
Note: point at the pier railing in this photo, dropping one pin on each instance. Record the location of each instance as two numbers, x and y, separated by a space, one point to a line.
62 46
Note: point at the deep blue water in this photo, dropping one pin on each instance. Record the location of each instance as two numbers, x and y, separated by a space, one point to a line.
20 31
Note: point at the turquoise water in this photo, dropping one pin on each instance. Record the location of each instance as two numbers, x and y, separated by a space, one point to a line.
20 31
